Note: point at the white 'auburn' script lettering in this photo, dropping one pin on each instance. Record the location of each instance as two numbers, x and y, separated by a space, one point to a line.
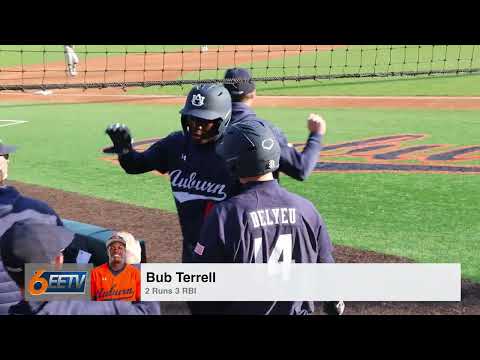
190 183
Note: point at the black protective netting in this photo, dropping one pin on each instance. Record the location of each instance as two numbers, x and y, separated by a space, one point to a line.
27 67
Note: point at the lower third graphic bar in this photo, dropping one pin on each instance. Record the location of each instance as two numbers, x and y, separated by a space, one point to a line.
307 282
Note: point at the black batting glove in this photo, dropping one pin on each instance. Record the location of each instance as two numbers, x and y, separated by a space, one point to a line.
333 307
121 138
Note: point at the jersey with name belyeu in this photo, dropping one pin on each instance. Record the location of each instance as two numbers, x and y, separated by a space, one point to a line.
265 223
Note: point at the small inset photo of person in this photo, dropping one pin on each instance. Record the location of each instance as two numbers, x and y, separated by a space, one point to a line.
119 279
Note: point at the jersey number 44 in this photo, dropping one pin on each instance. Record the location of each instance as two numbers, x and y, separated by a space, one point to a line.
282 249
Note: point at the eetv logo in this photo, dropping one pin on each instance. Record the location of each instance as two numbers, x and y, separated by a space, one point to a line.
45 282
57 282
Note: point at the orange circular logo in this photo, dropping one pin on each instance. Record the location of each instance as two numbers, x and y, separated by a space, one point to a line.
36 279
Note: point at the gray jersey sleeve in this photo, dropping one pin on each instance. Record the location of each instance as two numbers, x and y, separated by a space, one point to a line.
325 247
298 165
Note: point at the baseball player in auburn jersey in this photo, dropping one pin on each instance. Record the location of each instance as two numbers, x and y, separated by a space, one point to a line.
264 222
198 176
116 280
298 165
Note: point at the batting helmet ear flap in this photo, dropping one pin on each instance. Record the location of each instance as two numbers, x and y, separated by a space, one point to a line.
184 121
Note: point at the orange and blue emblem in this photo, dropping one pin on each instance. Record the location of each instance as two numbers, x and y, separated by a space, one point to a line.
57 282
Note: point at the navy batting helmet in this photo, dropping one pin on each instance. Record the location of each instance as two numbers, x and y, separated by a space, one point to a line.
250 149
208 102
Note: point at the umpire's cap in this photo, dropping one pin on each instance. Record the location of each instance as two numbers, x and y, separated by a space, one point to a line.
250 149
239 82
208 102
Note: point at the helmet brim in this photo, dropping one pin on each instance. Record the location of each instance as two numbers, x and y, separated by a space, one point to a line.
201 114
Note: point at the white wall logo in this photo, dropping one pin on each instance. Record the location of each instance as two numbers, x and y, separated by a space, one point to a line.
11 122
198 99
267 144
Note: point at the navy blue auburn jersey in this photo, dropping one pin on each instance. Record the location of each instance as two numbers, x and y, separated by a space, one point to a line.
198 178
264 223
298 165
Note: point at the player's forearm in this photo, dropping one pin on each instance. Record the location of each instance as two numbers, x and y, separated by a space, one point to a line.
310 153
135 163
300 165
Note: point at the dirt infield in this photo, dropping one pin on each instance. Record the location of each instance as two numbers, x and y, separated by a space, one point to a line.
371 102
98 68
161 232
135 67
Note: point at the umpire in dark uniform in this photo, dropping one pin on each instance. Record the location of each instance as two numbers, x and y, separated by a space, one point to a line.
297 165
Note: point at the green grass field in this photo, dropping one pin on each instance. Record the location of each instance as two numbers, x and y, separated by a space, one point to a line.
426 217
435 85
360 59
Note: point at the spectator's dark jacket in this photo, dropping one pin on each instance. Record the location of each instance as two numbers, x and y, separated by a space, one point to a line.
16 207
77 307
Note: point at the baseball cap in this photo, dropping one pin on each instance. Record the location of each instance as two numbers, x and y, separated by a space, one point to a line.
6 149
133 248
116 237
26 242
243 86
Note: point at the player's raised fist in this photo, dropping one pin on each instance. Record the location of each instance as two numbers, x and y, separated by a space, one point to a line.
316 124
121 137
